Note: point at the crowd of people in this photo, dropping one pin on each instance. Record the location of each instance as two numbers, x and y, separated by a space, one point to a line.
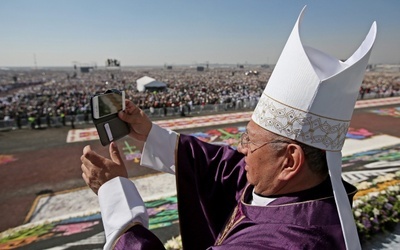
47 95
380 84
59 93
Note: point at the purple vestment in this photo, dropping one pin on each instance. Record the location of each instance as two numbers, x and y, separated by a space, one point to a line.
214 210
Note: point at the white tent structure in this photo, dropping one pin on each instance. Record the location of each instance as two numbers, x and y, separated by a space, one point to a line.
147 82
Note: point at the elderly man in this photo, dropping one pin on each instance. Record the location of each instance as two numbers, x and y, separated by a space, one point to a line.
282 187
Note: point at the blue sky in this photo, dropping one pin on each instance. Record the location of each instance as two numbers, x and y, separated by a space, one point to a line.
158 32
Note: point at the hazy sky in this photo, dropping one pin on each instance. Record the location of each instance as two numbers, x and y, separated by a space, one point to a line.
148 32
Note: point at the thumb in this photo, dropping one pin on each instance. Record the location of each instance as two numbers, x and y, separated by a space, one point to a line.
114 153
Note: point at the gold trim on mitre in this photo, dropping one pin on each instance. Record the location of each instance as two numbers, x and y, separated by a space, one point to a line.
311 129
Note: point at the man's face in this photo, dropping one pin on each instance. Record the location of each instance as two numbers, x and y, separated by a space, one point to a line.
263 160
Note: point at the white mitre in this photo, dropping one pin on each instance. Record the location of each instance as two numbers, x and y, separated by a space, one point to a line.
310 98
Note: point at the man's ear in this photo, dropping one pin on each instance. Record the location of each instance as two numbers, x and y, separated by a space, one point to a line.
293 162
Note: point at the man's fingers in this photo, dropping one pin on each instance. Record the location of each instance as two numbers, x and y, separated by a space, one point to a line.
130 115
87 167
90 157
94 186
96 169
83 167
129 106
87 153
114 153
86 149
85 178
90 169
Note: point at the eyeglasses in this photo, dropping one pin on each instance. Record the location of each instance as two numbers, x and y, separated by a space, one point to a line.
245 141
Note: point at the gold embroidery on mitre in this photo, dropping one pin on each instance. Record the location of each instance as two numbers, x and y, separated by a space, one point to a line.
315 130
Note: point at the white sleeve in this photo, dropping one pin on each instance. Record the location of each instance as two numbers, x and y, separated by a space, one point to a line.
121 207
159 150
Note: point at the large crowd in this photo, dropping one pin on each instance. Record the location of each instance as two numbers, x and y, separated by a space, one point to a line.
42 94
378 84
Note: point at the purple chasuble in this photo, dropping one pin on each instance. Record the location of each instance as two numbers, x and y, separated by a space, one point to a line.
138 237
210 179
214 210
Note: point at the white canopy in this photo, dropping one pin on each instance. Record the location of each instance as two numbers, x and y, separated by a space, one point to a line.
148 82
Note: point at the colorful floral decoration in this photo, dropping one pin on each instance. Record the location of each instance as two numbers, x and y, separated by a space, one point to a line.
376 206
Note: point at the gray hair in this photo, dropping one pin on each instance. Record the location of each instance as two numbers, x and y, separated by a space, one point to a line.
315 157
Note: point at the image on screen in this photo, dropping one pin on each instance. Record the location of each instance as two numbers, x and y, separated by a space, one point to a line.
109 104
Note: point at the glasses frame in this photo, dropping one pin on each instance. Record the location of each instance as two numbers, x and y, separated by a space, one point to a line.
245 142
